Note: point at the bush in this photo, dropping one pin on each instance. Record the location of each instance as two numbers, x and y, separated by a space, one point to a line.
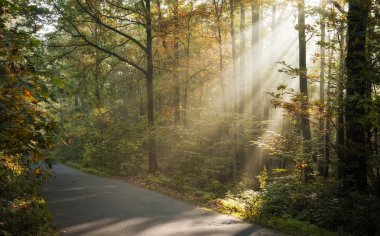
23 211
97 140
325 205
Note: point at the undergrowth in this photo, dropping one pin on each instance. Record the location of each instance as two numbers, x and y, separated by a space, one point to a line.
23 211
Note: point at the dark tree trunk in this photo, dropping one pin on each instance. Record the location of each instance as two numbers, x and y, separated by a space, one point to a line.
187 78
240 158
340 118
305 122
233 50
97 72
218 8
322 154
149 85
177 89
242 60
358 88
326 142
98 98
187 74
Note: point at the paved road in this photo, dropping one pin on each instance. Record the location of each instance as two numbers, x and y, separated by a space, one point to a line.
83 204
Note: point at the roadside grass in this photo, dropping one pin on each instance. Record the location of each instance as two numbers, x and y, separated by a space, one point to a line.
23 211
293 226
89 170
231 204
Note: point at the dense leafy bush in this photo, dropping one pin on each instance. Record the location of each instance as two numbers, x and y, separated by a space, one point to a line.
22 210
98 140
323 204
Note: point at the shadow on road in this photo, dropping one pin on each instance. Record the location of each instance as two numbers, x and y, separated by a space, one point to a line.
83 204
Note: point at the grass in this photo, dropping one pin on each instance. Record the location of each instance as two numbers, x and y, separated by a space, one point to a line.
293 226
231 205
88 170
24 212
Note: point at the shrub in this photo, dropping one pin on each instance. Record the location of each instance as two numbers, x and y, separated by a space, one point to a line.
326 205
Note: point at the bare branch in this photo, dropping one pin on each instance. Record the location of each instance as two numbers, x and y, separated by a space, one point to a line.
100 22
111 53
339 7
67 45
90 43
64 54
125 8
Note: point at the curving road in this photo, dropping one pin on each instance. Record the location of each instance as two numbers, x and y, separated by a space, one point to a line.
83 204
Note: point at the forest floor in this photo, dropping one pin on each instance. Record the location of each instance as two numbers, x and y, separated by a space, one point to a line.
84 204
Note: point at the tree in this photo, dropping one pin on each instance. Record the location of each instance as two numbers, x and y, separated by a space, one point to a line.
177 96
108 16
26 91
219 6
256 58
305 122
233 52
240 156
322 163
358 88
153 166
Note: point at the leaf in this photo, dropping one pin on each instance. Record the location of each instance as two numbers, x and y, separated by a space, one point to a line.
281 87
58 82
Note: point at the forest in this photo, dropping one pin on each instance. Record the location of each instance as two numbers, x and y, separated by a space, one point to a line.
264 109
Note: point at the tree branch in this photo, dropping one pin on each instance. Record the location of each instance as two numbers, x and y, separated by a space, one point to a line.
80 35
339 7
125 8
100 22
112 53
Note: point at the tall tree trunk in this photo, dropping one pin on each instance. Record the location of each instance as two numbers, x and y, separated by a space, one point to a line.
153 166
256 57
98 101
242 60
322 155
240 160
326 142
358 88
98 98
177 89
187 73
305 122
187 78
340 118
218 8
233 50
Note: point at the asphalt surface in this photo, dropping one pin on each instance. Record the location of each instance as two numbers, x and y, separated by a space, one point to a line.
84 204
